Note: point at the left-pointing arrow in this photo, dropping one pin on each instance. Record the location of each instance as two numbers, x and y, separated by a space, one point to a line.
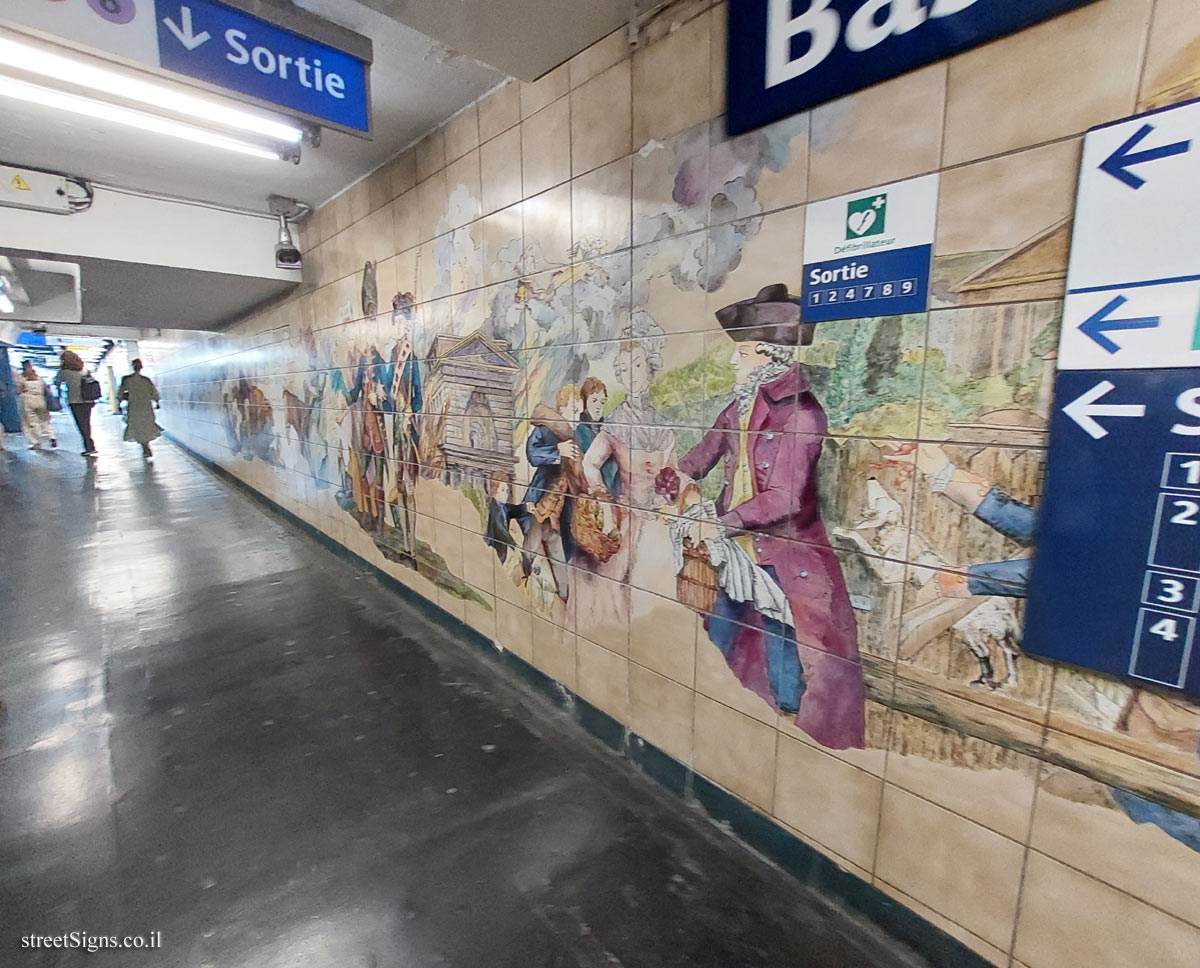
1120 161
1084 408
1098 324
185 34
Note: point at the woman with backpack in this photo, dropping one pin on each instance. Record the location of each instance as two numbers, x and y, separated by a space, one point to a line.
83 390
35 407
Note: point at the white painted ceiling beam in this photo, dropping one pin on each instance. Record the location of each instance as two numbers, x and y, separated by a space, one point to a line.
152 231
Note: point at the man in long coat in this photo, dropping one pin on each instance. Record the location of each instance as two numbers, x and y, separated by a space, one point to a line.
404 402
366 397
770 438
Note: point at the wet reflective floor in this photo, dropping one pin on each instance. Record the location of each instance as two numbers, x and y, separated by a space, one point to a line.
214 729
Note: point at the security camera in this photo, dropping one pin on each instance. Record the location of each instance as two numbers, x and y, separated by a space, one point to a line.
287 255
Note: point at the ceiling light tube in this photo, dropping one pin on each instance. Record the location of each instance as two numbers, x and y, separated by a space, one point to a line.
35 94
6 304
46 63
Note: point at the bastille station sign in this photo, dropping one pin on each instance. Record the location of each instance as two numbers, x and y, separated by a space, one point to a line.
786 56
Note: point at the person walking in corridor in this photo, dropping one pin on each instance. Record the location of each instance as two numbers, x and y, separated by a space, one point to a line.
72 373
138 396
35 407
3 400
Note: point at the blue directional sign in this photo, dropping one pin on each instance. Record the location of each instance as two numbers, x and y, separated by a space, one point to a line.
1116 577
1115 584
225 47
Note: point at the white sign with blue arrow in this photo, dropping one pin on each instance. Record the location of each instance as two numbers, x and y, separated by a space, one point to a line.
1133 327
1133 287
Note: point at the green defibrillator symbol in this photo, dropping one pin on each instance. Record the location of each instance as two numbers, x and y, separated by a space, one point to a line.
866 216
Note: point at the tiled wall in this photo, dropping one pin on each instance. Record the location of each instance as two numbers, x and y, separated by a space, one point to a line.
588 225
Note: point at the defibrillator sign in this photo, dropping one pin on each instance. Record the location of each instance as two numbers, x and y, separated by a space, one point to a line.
868 254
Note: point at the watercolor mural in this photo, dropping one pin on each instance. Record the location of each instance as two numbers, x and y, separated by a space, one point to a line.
556 427
549 402
593 465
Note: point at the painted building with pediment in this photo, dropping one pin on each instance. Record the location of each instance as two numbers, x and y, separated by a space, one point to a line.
472 380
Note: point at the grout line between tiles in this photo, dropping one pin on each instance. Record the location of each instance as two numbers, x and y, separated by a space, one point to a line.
942 129
1120 890
1145 56
1037 786
944 917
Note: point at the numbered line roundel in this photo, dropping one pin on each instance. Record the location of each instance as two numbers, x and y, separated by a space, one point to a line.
115 11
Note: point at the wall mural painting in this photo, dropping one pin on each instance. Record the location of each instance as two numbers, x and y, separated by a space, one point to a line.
783 481
781 605
392 434
249 419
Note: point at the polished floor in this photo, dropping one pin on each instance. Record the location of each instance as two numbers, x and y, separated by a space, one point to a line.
214 729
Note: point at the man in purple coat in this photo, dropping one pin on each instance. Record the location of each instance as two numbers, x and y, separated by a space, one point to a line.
770 437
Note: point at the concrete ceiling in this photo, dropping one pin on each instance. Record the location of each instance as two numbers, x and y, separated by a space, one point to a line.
524 38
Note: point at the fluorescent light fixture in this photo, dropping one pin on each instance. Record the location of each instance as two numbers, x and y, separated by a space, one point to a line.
6 304
70 70
36 94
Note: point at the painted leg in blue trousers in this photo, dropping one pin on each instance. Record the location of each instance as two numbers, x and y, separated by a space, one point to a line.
783 661
783 665
784 672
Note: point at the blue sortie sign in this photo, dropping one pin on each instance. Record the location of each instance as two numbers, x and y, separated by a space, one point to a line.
875 284
230 49
788 55
1116 577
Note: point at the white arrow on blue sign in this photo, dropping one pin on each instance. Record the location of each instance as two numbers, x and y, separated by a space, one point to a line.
219 43
184 32
1084 409
1119 527
231 49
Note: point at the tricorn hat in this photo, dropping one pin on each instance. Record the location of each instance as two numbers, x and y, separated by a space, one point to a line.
773 316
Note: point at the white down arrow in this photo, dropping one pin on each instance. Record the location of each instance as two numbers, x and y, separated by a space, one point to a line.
185 34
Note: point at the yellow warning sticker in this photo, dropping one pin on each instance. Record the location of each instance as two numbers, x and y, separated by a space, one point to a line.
20 184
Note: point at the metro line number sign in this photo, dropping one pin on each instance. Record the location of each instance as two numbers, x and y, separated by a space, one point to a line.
789 55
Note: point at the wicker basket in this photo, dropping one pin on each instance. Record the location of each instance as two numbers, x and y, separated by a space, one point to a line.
696 584
587 528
